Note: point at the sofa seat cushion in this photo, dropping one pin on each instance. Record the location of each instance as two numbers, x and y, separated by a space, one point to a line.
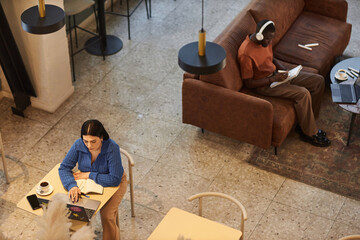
332 35
284 116
291 65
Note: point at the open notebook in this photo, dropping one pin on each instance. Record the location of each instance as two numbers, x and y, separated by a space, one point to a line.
293 73
88 185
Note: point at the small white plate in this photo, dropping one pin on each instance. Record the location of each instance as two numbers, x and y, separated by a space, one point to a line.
339 78
42 193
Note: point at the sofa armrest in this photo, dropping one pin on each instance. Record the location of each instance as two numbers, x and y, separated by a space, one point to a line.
330 8
227 112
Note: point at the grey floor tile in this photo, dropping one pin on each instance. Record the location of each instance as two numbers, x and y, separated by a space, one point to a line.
317 201
282 222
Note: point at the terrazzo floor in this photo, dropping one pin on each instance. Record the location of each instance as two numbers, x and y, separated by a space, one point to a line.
137 95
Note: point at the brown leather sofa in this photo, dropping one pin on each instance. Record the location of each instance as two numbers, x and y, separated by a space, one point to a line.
221 103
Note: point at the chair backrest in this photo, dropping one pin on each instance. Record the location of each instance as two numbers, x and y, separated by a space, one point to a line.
222 195
131 163
351 237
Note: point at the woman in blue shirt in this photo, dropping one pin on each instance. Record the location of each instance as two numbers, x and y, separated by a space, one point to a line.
99 159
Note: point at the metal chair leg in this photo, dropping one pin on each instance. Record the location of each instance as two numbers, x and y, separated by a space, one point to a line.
150 7
72 52
147 10
128 17
76 38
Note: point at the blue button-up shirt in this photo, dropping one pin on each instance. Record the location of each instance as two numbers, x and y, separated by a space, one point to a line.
106 170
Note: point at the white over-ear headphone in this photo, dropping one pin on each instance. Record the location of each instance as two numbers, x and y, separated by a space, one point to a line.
259 35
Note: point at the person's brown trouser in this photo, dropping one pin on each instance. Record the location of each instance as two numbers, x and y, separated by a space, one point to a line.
109 213
305 91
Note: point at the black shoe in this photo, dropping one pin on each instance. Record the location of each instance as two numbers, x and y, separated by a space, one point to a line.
316 140
299 131
321 133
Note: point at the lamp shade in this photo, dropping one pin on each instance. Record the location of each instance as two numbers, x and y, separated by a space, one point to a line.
213 61
53 21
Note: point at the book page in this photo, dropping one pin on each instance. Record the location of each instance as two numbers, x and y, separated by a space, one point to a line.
88 185
291 75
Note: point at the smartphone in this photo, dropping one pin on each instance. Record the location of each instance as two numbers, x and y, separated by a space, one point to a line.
34 202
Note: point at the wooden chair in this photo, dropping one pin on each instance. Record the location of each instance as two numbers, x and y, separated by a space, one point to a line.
130 181
351 237
3 160
222 195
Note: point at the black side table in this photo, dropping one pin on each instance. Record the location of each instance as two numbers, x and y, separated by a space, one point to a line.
354 109
103 45
213 61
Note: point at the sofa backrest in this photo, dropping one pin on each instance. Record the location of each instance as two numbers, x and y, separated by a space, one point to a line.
230 39
282 12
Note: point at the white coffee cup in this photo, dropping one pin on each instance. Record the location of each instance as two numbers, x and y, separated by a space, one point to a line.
341 74
44 186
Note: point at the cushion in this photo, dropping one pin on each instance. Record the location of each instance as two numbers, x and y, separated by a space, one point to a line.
332 35
282 12
305 68
230 39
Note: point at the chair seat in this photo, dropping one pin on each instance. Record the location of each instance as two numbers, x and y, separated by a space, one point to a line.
73 7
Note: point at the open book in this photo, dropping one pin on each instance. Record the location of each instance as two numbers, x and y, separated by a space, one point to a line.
88 185
291 74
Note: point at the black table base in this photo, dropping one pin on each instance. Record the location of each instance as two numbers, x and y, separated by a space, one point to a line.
94 45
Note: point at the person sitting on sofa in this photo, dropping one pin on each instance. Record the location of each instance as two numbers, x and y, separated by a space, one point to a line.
259 69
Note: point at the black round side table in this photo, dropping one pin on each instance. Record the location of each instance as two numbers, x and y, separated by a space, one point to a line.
33 23
213 61
354 109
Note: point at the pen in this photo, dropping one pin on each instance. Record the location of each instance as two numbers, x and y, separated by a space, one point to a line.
85 195
349 74
311 45
354 73
354 70
305 47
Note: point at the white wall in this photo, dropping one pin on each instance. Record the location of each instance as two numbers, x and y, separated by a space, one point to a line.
46 57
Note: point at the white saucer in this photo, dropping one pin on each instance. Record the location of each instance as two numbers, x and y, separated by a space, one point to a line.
41 193
340 78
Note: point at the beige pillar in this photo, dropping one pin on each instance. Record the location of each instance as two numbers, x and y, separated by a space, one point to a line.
46 57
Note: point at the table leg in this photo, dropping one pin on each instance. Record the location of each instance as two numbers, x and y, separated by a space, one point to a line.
353 116
103 45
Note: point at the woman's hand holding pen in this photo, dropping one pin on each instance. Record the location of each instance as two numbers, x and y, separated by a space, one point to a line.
74 194
279 76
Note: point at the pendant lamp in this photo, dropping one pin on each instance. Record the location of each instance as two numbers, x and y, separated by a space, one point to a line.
43 19
202 57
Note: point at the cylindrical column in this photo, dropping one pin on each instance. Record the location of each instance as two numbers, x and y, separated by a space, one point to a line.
202 42
42 8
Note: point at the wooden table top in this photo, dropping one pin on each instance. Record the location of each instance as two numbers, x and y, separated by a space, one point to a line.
177 223
54 179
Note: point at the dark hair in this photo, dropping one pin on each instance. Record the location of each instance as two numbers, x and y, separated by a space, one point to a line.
94 128
268 28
